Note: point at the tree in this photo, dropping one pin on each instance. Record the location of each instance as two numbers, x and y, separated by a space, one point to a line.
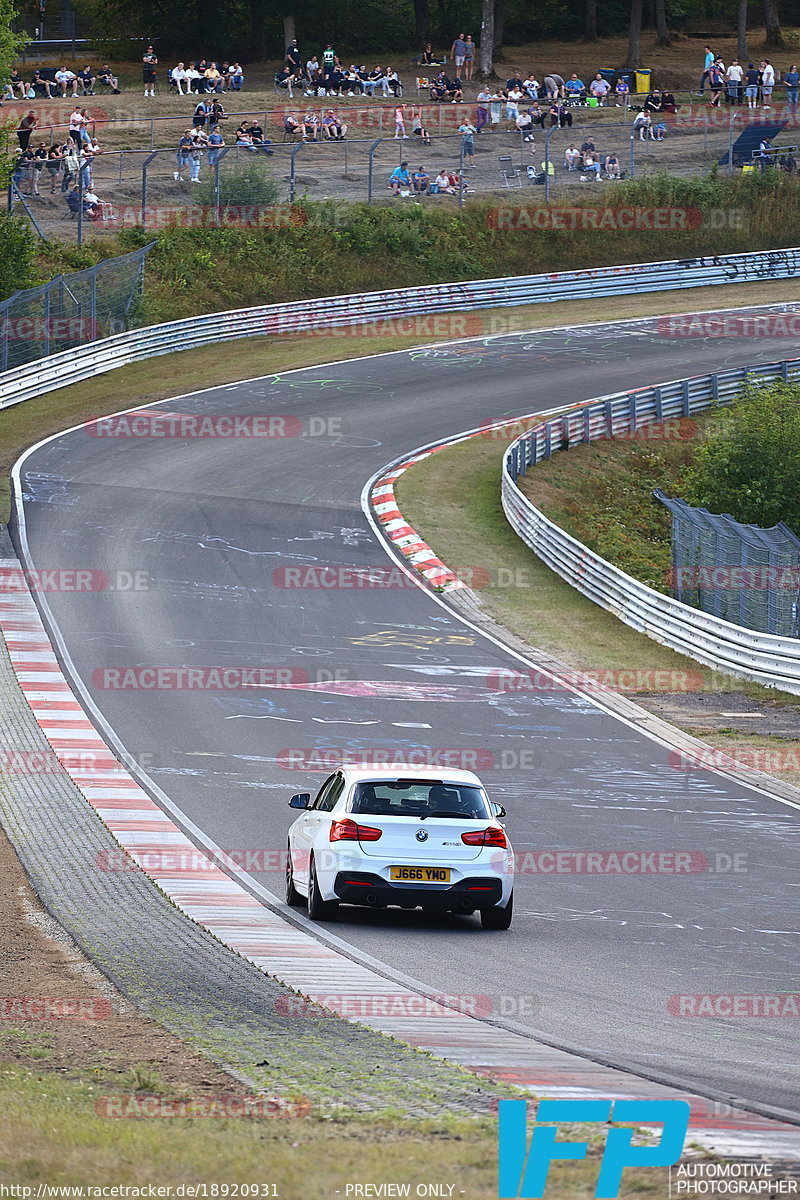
11 44
772 22
635 35
662 30
590 21
741 32
422 22
499 22
487 39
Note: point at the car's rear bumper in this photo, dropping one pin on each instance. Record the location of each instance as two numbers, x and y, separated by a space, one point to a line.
362 887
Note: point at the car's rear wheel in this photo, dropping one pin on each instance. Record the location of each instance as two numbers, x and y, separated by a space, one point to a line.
319 909
498 918
293 897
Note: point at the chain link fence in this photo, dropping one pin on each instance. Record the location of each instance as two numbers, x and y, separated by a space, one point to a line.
741 573
70 310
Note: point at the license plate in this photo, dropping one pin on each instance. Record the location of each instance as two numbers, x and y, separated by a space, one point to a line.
420 874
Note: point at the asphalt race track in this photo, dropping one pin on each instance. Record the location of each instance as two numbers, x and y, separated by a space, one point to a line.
214 521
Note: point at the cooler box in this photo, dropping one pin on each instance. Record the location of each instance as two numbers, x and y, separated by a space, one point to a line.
642 78
591 101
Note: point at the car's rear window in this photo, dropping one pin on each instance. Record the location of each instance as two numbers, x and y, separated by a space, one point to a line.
392 798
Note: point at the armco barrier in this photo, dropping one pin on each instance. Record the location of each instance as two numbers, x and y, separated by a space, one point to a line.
766 658
95 358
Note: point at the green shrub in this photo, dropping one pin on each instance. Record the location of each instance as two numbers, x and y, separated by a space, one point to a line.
246 183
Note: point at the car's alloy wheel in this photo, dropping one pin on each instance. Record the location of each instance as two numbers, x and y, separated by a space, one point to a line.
498 918
293 897
319 909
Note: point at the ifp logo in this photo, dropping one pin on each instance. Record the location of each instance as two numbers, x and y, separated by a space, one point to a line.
523 1169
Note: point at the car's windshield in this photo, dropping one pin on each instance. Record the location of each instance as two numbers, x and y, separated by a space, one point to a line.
420 798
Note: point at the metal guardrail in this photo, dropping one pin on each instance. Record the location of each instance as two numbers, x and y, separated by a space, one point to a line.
98 357
765 658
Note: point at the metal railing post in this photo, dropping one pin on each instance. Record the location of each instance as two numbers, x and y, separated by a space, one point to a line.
220 155
145 165
295 150
632 171
547 164
461 176
372 150
80 202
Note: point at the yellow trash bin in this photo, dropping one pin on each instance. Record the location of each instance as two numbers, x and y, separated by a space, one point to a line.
643 80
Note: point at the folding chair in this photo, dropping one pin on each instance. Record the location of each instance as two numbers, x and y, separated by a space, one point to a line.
423 84
509 174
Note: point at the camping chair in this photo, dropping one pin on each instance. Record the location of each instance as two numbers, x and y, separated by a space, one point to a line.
423 84
509 174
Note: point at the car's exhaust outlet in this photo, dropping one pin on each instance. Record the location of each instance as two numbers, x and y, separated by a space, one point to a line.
467 906
371 897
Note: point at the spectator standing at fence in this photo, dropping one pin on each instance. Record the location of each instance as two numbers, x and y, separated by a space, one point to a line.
733 80
767 83
183 154
513 97
751 78
293 58
201 113
55 159
25 128
482 109
468 131
77 123
149 64
400 123
72 165
418 129
792 81
495 109
215 143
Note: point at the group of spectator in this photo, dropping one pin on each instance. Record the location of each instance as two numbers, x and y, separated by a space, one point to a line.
590 164
54 83
202 77
404 182
331 78
741 83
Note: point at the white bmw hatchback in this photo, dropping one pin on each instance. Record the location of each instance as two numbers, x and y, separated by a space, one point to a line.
430 839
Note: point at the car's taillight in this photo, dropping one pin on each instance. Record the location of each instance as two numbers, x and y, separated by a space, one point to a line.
349 831
493 836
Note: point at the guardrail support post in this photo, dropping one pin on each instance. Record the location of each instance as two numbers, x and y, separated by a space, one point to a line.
632 411
587 426
609 419
686 399
715 388
785 371
145 165
372 150
659 403
548 440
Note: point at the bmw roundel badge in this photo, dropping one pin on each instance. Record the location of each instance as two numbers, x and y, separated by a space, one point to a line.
422 835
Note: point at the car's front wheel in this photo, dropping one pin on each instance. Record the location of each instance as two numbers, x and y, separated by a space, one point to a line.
293 897
498 918
319 909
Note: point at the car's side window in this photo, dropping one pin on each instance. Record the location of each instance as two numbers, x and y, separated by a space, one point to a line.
319 803
328 801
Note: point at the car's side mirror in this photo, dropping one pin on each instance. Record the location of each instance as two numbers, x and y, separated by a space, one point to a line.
498 810
301 800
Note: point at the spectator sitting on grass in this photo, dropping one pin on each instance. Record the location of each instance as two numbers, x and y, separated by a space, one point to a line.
525 126
400 179
612 166
420 180
572 158
575 88
668 103
599 88
236 76
588 147
591 167
560 115
42 87
653 101
643 124
443 183
440 88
